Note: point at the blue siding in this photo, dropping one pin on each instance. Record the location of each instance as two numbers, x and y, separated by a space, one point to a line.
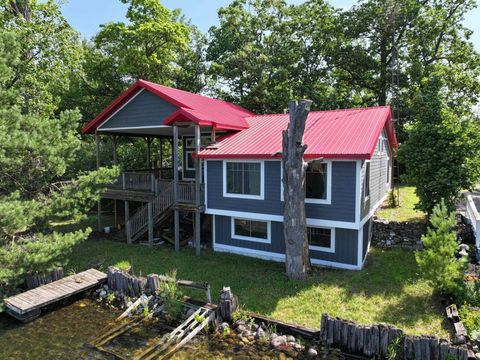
146 109
345 242
342 207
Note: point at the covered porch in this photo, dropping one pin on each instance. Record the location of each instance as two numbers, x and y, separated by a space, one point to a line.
169 182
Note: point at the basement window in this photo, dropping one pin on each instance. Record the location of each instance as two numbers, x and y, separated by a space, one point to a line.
321 239
251 230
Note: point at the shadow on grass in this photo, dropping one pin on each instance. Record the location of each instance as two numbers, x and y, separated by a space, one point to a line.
387 290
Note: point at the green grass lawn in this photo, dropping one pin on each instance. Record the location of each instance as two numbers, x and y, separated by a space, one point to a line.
388 290
406 211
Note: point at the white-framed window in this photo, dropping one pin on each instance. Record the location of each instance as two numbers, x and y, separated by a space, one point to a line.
318 182
366 181
321 239
251 230
189 160
243 179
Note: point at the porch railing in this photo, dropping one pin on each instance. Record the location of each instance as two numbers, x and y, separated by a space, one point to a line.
474 217
186 192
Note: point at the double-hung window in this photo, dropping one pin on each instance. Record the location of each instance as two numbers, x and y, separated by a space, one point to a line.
318 182
243 179
321 239
251 230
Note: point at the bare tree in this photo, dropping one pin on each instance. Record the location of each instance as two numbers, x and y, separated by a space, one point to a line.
295 222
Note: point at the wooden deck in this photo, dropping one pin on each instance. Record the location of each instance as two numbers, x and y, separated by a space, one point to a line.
27 306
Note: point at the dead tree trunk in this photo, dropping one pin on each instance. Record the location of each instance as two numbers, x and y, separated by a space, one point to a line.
297 259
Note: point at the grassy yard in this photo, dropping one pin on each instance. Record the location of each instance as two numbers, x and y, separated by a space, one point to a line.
406 211
387 290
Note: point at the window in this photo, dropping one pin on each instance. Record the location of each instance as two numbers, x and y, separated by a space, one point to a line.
251 230
243 179
320 239
366 183
190 162
316 184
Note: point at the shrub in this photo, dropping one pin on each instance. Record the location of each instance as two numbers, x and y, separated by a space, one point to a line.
470 292
437 261
470 318
171 296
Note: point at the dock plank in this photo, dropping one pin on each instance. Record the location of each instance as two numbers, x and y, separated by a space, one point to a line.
47 294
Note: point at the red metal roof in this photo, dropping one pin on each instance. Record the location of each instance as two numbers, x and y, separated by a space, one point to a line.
344 134
192 107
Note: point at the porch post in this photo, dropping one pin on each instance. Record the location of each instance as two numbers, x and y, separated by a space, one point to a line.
149 150
175 187
150 223
127 213
114 160
198 177
161 157
213 136
99 204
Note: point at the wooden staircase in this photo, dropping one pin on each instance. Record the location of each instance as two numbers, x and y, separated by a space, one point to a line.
161 205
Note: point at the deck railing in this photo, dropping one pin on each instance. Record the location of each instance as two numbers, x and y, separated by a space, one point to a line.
149 182
474 217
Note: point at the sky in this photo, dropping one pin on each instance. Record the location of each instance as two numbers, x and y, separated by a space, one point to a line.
86 15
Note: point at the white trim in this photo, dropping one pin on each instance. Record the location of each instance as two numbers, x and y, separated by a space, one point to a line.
360 248
245 196
186 160
120 108
375 207
205 184
330 249
268 240
214 234
279 218
271 256
358 188
135 128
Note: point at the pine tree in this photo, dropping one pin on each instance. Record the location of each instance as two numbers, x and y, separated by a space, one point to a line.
437 261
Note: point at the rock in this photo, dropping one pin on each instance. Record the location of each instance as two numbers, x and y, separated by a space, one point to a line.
241 328
278 341
312 353
247 333
238 322
105 287
255 327
298 347
190 312
477 356
244 340
290 338
273 335
282 356
103 293
259 333
251 338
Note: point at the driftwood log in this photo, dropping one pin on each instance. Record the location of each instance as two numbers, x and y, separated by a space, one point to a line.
297 259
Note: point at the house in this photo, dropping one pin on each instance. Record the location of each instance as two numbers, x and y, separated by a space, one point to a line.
231 173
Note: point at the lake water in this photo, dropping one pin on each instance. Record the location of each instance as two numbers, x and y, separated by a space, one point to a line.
65 332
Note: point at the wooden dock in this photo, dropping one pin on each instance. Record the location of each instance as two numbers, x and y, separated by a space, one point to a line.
28 305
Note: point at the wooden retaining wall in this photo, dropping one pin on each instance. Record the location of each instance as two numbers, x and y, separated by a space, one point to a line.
33 281
374 340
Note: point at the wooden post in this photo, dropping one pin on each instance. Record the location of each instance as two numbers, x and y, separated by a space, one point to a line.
213 135
198 179
297 260
175 187
127 214
149 151
99 204
161 157
150 223
114 161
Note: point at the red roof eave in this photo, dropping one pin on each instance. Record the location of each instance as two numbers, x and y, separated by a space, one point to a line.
279 156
